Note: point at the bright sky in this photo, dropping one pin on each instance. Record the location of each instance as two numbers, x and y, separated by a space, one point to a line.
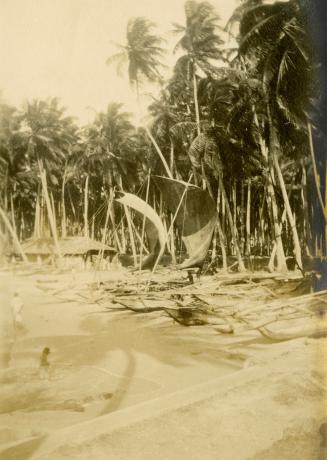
58 48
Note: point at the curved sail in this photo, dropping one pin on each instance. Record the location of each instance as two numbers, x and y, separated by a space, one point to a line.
156 233
196 218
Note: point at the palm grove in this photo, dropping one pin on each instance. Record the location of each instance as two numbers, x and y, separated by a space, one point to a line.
240 121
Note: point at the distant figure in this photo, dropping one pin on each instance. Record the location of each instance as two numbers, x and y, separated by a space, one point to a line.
73 280
44 364
17 311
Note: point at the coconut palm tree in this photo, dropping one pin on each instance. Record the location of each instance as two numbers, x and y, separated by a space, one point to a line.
164 118
233 98
47 137
142 53
200 43
274 40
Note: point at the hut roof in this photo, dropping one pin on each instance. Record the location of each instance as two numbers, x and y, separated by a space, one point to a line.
75 245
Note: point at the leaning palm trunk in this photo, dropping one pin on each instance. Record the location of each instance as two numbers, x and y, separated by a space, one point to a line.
232 225
296 242
275 247
272 206
13 234
156 146
49 207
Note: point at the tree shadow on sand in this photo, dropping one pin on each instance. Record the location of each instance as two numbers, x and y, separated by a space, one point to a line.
132 335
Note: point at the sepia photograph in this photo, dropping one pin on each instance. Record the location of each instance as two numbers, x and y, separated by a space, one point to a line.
163 230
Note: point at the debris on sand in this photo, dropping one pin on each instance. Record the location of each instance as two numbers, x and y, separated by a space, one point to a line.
278 306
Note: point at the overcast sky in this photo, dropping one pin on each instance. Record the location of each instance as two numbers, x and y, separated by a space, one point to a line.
59 48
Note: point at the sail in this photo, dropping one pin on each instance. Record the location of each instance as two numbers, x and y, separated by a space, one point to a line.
196 217
155 231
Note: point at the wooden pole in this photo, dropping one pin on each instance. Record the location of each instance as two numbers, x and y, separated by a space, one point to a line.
13 234
86 206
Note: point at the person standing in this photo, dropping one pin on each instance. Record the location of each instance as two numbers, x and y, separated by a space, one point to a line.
17 311
44 364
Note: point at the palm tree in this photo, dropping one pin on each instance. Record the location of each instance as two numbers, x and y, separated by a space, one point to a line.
142 53
47 136
200 42
273 38
204 149
164 118
109 152
233 98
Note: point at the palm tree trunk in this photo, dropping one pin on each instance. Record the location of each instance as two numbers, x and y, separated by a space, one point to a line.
172 159
21 227
243 216
5 189
234 203
53 210
12 213
296 242
271 199
223 213
13 234
143 221
316 175
131 235
261 236
42 230
274 249
306 223
248 221
196 102
156 146
221 235
93 227
120 246
49 208
233 227
86 206
172 246
104 233
123 237
272 206
63 210
37 216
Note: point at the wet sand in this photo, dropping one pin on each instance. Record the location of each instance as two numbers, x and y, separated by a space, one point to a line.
100 362
140 386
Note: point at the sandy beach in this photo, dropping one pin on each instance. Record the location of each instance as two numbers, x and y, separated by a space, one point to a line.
104 364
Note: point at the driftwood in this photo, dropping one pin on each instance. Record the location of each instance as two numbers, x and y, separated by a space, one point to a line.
293 333
230 303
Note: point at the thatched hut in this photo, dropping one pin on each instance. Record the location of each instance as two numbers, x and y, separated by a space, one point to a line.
76 250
